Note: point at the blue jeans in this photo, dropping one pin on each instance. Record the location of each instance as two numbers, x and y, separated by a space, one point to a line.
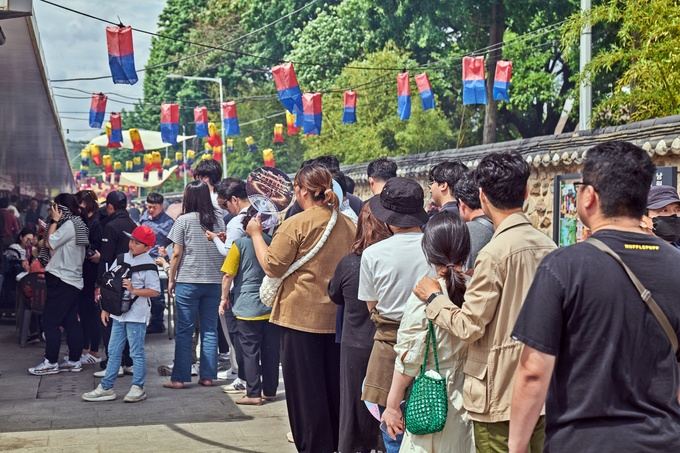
391 445
192 299
158 305
134 333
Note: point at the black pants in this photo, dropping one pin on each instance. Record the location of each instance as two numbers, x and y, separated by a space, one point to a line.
89 319
106 336
222 345
61 309
232 327
260 345
311 374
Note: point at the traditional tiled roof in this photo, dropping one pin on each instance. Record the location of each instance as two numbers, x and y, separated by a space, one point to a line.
658 136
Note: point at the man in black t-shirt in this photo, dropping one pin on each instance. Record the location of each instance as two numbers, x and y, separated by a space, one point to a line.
591 344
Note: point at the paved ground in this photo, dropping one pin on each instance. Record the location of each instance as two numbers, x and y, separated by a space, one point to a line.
39 414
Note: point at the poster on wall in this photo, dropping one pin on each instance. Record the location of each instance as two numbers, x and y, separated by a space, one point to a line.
567 227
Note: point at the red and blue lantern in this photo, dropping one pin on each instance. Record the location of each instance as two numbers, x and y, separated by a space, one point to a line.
121 54
404 96
501 83
312 113
201 120
116 129
425 89
288 88
474 86
230 116
349 114
169 123
97 110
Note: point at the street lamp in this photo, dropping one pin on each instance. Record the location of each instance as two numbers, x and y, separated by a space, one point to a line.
219 81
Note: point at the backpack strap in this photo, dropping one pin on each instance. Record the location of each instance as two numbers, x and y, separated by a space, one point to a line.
144 267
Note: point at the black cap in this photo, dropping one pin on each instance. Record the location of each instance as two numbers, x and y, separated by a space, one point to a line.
400 203
662 196
117 199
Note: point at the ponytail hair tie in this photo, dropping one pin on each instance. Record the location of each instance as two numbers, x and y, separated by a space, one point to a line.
451 265
327 191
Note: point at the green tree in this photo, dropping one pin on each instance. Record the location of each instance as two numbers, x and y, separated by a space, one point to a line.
644 53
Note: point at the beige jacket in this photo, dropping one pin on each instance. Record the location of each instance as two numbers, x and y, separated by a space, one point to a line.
504 270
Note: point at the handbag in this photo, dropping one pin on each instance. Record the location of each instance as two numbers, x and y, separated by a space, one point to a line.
428 403
644 293
270 285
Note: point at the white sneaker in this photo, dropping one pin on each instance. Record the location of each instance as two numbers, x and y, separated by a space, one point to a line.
67 365
89 359
238 386
45 367
226 375
129 370
100 394
135 395
223 357
194 369
102 373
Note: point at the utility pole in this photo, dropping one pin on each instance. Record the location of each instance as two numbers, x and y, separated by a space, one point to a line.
585 91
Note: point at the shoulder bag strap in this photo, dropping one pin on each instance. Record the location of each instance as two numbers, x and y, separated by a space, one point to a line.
644 293
430 338
327 232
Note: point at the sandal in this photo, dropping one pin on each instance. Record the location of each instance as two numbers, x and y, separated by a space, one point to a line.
205 382
248 401
173 385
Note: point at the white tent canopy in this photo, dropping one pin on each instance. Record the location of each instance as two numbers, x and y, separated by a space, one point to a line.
150 139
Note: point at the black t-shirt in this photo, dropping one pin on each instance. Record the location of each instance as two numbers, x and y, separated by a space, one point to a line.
615 383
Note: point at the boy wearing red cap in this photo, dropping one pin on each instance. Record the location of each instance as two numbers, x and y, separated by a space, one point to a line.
131 325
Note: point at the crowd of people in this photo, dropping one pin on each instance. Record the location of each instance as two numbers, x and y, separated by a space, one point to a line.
538 348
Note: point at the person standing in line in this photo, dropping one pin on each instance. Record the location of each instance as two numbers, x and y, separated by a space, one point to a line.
130 327
389 270
195 281
442 179
210 172
379 172
478 224
310 357
155 218
504 271
661 218
67 239
590 344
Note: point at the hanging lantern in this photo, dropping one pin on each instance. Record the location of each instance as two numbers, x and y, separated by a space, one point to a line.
349 114
110 143
217 153
290 123
77 176
312 108
108 163
201 120
268 156
116 137
159 172
128 165
121 54
206 156
136 140
214 138
288 88
136 163
230 145
157 160
404 96
278 133
501 82
425 89
191 154
96 155
169 123
230 116
474 86
252 147
85 156
97 110
178 158
84 169
145 175
148 162
117 169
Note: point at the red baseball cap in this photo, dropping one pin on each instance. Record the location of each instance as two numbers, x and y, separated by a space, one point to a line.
143 234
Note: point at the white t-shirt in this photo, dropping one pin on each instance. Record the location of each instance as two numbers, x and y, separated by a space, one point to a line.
140 311
235 230
389 271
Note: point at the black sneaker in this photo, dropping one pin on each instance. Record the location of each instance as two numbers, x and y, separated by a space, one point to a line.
155 328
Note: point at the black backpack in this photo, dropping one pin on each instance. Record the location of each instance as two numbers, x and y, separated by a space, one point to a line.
112 292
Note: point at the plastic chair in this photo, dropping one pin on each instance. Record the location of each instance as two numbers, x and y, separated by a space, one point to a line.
31 293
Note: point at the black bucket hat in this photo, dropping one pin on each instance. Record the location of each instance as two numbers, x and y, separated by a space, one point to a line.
400 203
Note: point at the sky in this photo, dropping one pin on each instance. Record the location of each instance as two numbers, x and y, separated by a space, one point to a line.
75 46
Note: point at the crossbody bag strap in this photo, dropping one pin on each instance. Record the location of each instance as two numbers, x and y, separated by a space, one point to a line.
645 294
327 232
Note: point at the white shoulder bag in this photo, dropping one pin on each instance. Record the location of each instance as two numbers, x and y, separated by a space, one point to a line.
270 285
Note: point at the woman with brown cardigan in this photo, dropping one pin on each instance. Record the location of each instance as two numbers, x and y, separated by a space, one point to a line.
310 357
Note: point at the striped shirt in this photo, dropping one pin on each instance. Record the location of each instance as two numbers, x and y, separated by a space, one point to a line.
201 260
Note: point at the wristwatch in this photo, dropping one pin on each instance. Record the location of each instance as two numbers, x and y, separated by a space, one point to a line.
433 296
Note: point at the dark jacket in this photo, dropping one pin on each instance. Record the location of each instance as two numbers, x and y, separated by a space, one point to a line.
114 242
90 269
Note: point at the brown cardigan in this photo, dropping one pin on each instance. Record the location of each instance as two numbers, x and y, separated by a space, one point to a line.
302 302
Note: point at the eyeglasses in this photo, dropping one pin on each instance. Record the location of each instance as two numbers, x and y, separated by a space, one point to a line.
579 184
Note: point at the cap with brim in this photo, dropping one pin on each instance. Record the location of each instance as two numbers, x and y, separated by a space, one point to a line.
400 203
662 196
142 234
117 199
